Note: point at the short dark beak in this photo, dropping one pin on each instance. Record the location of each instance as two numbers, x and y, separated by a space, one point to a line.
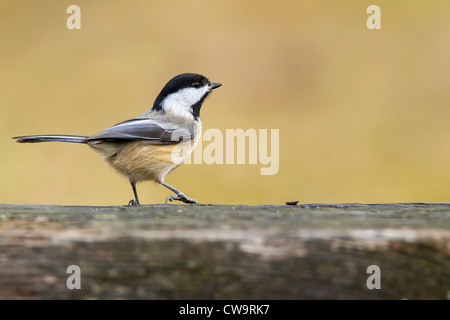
215 85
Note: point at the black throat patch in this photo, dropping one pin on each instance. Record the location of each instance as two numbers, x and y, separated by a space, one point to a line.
196 107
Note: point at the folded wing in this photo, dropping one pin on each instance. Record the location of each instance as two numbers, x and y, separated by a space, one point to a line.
151 130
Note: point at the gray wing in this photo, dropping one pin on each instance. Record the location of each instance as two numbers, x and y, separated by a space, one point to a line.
151 130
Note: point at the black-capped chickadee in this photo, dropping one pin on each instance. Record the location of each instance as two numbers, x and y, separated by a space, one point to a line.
150 146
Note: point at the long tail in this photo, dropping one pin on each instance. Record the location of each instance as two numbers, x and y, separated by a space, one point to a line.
51 137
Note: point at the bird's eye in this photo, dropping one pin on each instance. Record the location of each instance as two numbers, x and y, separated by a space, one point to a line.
196 85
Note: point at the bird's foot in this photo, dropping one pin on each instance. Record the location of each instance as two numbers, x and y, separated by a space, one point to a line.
180 197
133 203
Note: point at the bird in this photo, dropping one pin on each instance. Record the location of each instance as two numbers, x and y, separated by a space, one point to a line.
153 144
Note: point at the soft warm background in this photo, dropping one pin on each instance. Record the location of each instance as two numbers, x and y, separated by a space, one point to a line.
364 116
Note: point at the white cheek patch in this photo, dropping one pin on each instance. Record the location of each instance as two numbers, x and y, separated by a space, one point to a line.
180 103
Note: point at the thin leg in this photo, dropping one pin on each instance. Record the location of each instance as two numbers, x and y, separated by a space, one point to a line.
180 195
134 202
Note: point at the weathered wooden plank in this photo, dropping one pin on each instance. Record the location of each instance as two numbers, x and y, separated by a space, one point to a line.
226 252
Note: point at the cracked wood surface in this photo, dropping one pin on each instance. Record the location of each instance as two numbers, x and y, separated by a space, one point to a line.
309 251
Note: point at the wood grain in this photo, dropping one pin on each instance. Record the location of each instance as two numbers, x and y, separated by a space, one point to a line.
309 251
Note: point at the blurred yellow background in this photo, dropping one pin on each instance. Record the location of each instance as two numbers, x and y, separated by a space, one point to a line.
364 115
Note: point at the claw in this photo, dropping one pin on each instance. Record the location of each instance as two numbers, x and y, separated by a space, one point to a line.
133 203
181 198
170 198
